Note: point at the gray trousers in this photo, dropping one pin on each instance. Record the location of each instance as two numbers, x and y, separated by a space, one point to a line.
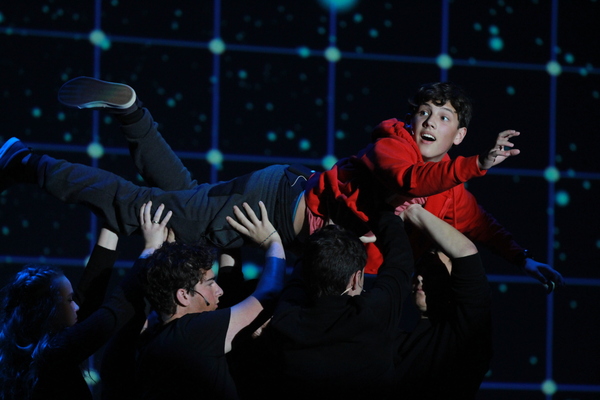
199 210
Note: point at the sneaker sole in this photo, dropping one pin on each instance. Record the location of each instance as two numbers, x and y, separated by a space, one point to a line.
5 147
85 92
5 179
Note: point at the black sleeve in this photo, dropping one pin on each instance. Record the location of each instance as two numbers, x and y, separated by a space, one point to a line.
75 344
470 287
393 281
94 282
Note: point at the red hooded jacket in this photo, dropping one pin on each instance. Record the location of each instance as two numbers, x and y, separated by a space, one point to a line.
391 171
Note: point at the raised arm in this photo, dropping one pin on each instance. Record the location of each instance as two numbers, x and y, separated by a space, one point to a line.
453 243
154 230
94 282
107 239
262 232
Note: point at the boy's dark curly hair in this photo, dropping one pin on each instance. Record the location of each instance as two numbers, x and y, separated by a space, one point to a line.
331 256
175 266
439 93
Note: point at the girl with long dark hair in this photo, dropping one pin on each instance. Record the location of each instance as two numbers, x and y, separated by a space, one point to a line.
44 334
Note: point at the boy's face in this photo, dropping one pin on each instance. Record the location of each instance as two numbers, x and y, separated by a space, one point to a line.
209 293
435 130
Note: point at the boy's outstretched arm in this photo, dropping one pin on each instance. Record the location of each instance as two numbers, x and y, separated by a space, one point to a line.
498 153
544 273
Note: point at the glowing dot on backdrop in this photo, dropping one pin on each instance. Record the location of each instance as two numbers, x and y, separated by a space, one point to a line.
95 150
338 5
496 43
250 271
562 198
569 58
333 54
552 174
573 146
36 112
533 360
444 61
303 52
214 157
271 136
587 185
304 145
553 68
549 387
328 161
99 38
217 46
573 304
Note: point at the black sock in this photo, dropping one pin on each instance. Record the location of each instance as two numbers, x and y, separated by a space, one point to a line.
29 173
132 118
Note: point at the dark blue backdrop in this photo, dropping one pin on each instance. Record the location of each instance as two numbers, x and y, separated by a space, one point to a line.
238 85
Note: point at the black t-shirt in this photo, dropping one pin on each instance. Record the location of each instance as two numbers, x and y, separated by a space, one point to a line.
186 359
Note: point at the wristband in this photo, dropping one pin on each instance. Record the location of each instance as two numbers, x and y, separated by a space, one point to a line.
267 238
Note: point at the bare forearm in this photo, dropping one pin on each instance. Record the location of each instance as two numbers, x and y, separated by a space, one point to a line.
107 239
453 243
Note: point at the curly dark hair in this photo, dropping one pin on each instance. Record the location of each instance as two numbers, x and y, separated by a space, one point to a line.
175 266
439 93
331 255
27 325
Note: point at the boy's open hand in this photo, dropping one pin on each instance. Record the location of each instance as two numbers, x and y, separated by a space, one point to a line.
154 229
498 153
260 231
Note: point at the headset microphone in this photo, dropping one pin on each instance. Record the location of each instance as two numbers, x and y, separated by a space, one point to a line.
206 301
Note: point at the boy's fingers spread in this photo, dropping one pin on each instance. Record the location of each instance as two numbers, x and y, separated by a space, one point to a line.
263 211
236 225
166 218
239 214
251 214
